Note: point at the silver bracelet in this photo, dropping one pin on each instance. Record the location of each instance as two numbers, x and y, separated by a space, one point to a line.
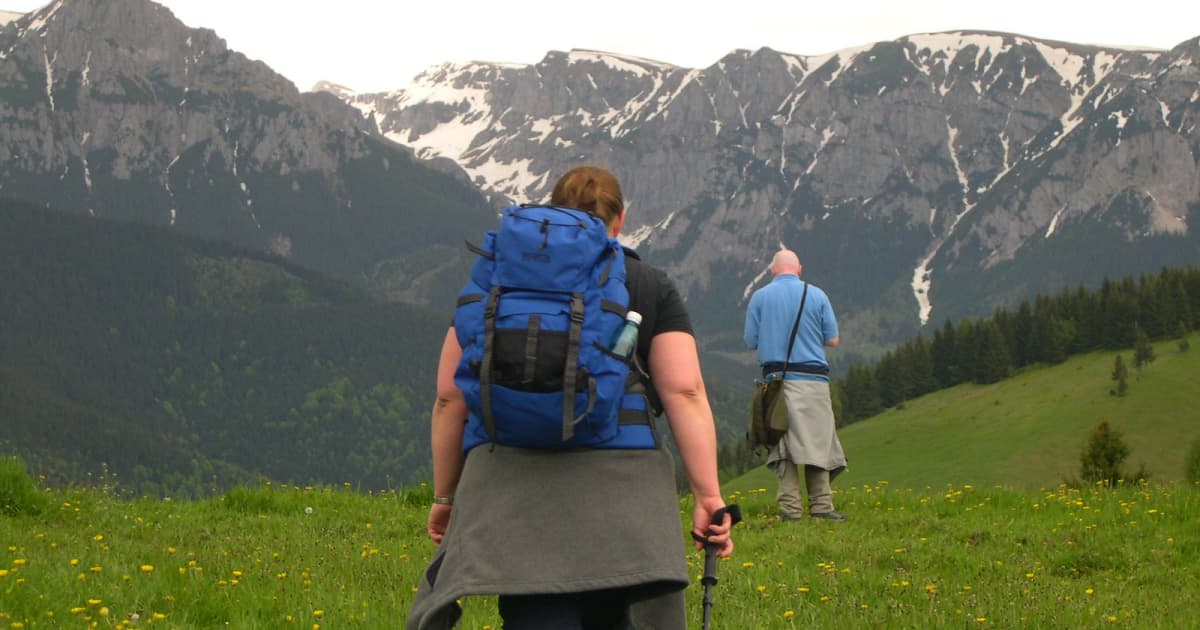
443 500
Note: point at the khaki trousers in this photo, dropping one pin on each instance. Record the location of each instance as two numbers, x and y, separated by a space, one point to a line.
816 481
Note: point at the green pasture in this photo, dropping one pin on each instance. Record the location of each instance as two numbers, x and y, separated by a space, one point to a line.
287 557
1026 432
958 518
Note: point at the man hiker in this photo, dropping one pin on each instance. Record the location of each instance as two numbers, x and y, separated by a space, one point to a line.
790 322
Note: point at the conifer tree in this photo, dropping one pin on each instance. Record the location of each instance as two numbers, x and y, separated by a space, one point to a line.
861 393
1143 352
1182 334
1103 456
993 361
1120 374
945 364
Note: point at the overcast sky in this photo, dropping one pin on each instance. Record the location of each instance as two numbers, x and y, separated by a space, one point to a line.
377 45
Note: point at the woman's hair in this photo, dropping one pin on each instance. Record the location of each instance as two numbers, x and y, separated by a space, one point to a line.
591 189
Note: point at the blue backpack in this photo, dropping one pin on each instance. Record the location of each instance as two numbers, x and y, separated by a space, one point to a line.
544 299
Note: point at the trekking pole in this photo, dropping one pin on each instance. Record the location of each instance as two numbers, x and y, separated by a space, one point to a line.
710 558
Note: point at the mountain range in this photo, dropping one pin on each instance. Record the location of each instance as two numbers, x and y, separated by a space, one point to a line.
924 179
930 177
116 109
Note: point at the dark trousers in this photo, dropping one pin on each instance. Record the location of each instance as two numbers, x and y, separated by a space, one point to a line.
591 610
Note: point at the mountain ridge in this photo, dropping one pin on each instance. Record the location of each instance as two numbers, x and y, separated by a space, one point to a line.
115 108
947 152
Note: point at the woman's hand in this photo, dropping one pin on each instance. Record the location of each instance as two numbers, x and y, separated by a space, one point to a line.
717 534
439 519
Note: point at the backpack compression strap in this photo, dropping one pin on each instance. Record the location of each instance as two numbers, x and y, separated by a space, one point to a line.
571 369
485 366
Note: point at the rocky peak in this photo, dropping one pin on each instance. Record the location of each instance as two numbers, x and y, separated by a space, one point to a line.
947 154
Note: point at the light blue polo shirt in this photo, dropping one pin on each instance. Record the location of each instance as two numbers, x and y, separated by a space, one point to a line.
769 320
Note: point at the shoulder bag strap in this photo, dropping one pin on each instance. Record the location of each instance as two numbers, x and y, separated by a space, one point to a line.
787 358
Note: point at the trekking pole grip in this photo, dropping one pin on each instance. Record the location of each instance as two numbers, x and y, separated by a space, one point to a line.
710 549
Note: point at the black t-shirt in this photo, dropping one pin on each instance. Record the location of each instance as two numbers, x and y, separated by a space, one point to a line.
654 295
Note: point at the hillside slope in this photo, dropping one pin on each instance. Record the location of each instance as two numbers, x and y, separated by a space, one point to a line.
183 365
1026 432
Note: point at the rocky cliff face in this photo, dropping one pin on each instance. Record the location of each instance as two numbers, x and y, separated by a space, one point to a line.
920 179
116 109
928 177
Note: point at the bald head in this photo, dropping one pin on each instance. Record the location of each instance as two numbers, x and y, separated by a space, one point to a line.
785 261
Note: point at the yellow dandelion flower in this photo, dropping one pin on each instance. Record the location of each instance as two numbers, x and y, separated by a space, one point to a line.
95 569
931 589
19 562
747 565
93 602
1089 592
98 537
981 620
171 550
824 598
74 562
159 616
761 589
237 574
788 614
77 610
104 611
3 572
1031 575
147 568
1112 619
318 613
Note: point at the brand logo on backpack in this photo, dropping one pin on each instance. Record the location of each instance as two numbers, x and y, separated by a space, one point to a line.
545 296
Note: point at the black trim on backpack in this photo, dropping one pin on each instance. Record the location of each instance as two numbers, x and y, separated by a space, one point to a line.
531 345
613 307
570 372
485 367
470 298
475 249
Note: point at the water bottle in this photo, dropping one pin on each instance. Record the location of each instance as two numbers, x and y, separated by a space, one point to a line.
624 341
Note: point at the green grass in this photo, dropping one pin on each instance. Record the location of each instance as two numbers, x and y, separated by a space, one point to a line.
958 556
1027 432
957 518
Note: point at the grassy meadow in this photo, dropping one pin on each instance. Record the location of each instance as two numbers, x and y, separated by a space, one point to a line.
280 557
957 519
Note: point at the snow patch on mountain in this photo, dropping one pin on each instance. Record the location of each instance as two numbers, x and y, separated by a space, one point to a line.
621 63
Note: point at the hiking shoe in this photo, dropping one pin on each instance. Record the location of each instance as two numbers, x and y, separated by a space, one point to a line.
786 517
832 515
